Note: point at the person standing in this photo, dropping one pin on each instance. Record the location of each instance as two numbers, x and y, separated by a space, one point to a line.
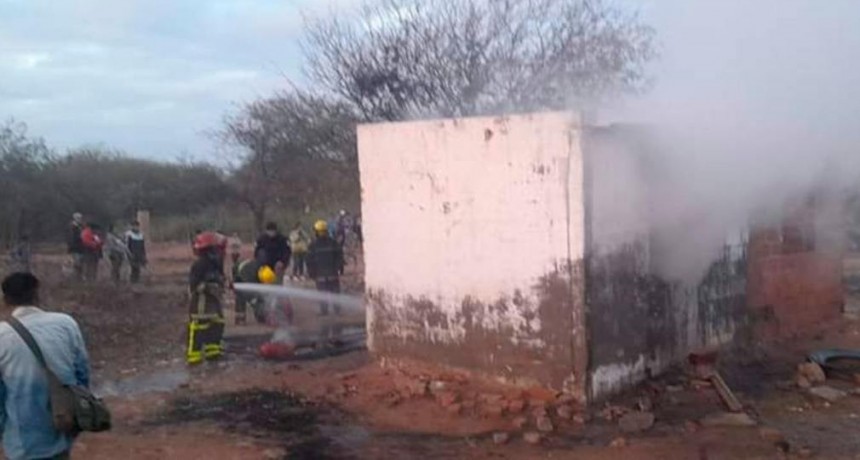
136 244
299 245
234 247
117 253
356 228
344 226
254 271
277 249
20 255
325 263
93 244
76 245
27 422
206 311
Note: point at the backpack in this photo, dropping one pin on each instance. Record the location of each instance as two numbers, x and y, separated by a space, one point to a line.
90 239
298 241
74 408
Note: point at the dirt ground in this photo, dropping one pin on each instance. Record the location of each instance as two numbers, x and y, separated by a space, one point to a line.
340 403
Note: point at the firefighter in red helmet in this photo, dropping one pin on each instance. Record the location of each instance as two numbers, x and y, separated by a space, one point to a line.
206 313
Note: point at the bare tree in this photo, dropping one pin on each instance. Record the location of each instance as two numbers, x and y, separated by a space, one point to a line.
39 188
297 147
403 58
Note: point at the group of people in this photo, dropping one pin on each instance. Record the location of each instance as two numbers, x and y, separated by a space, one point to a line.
27 425
321 258
344 226
89 244
291 251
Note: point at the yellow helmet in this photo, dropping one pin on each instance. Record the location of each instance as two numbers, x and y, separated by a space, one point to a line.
266 275
321 226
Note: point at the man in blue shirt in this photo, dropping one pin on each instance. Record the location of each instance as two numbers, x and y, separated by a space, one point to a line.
25 414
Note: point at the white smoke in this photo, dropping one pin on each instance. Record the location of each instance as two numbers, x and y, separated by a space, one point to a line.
755 104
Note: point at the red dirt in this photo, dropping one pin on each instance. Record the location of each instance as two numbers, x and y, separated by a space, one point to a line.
350 406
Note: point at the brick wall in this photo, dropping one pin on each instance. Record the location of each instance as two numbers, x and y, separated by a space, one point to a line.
788 291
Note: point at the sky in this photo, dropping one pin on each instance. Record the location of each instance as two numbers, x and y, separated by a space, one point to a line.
151 77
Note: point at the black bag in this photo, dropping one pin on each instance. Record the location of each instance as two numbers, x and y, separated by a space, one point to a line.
74 408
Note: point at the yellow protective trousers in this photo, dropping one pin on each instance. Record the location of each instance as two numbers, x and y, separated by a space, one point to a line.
204 339
205 325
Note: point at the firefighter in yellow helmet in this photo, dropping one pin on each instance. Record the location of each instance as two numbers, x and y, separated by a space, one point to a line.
325 263
206 315
252 271
266 275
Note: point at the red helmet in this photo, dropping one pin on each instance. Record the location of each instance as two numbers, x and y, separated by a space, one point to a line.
207 240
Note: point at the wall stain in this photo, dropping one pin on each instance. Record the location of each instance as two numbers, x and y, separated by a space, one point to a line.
541 169
629 310
536 351
633 313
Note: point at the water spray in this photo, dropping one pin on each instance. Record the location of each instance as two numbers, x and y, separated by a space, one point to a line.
350 302
287 339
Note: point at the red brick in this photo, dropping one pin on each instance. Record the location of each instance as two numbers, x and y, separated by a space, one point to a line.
455 409
799 290
447 398
541 394
516 406
492 410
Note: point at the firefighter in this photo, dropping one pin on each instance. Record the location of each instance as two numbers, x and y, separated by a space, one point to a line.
325 263
252 271
206 315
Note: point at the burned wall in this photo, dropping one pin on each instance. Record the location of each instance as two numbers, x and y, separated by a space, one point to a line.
640 320
474 237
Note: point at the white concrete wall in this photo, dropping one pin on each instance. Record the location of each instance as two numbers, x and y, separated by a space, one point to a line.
470 212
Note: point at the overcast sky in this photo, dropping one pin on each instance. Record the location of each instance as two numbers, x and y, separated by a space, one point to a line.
150 76
146 76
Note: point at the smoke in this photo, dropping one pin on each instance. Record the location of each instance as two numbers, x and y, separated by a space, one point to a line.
755 105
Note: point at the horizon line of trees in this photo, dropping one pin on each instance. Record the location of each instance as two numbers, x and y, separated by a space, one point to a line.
41 188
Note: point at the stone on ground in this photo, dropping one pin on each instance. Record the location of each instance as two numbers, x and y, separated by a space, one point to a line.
812 371
723 419
520 422
516 406
771 434
827 393
635 422
532 437
447 398
618 442
564 412
544 424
